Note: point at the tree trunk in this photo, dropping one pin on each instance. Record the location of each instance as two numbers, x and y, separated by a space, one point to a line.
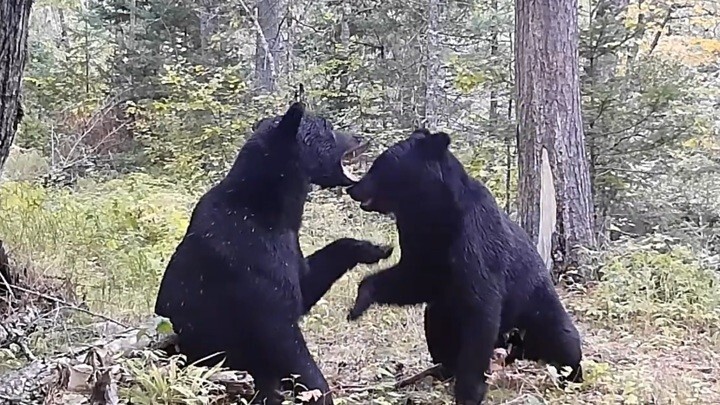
344 66
433 79
268 48
208 14
291 28
548 116
14 17
493 113
606 27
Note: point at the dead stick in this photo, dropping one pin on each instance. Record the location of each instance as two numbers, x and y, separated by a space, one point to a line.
68 305
7 285
432 371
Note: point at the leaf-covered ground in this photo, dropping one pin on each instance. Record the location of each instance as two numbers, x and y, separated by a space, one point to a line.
640 367
651 328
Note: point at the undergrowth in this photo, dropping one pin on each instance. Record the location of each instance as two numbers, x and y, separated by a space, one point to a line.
654 284
653 315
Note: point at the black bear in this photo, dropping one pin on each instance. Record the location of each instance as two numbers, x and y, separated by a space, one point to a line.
238 282
477 270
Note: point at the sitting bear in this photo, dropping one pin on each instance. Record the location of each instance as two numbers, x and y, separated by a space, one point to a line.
238 283
478 271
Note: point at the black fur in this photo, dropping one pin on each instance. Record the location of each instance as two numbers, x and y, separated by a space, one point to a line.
238 282
477 270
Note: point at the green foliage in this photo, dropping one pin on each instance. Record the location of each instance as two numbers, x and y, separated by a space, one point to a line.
488 164
110 239
172 83
24 164
148 34
64 78
194 133
657 285
172 384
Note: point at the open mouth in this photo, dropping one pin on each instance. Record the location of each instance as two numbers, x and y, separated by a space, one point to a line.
351 156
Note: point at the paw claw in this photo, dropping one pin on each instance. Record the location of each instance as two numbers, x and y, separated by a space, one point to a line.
370 253
386 250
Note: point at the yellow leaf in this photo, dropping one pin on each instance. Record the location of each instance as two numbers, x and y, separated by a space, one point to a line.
631 399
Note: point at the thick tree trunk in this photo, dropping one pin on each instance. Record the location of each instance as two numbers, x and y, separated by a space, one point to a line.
14 18
548 115
433 79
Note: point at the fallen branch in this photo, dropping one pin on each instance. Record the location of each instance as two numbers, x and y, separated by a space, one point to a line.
434 371
65 379
67 305
437 371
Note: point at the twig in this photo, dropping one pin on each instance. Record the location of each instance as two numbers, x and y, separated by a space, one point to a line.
68 305
658 33
12 400
7 284
433 371
26 350
357 388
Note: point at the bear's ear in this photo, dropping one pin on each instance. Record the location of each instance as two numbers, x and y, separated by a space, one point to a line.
263 123
420 133
290 122
436 144
441 140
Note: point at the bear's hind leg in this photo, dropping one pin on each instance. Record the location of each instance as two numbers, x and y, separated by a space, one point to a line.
442 335
551 337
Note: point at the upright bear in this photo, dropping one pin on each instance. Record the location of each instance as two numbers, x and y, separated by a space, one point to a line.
238 282
477 270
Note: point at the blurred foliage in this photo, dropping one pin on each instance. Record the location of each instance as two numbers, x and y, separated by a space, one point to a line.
157 96
167 89
656 283
110 239
194 132
171 383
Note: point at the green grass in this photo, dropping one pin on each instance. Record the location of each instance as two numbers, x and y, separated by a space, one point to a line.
650 329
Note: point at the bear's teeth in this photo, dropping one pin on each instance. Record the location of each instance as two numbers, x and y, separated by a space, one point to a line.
349 174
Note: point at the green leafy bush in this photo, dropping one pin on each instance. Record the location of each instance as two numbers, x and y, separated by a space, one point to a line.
488 164
651 283
110 239
194 132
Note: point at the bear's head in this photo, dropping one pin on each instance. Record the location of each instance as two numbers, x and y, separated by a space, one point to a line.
407 175
324 152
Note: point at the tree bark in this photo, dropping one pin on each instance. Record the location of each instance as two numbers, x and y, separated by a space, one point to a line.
494 50
433 79
268 48
548 116
14 18
607 26
344 56
208 15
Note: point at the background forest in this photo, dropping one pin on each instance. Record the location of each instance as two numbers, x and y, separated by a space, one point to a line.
133 108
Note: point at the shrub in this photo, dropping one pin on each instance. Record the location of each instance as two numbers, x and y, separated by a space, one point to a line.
648 281
110 239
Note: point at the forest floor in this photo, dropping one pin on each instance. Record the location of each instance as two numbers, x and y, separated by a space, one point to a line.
631 355
629 358
624 364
